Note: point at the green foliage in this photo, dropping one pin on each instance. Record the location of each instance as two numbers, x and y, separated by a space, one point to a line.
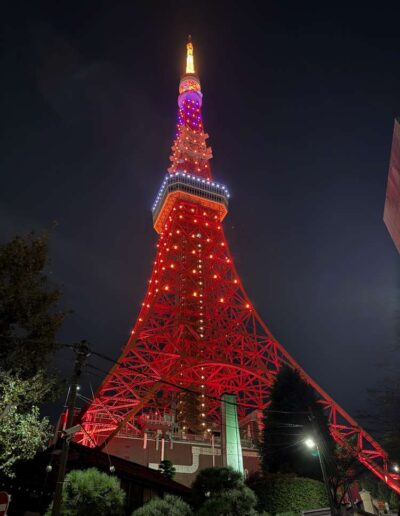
211 482
233 502
169 506
167 468
22 431
91 493
222 492
393 500
29 320
29 313
286 425
278 493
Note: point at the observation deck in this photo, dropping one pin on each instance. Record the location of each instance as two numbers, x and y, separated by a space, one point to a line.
182 186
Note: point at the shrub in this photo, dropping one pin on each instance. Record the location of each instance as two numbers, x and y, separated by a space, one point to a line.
91 493
213 481
278 493
234 502
168 506
167 468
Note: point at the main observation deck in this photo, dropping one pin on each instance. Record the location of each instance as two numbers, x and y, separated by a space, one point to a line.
182 186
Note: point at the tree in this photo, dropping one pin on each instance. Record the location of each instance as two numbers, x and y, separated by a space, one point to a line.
22 431
287 422
167 468
211 482
233 502
169 506
29 312
344 469
281 493
29 320
91 493
294 414
220 492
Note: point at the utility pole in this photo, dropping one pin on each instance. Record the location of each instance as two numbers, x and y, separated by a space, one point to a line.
326 481
81 353
318 442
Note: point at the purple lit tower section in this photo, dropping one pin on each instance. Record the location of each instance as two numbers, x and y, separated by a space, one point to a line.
391 215
190 153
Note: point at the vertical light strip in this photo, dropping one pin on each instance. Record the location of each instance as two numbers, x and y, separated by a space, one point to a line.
232 452
189 57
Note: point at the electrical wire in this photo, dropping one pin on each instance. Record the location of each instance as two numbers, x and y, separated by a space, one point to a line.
166 382
186 389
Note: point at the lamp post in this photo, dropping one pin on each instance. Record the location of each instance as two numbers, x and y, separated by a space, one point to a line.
312 444
81 353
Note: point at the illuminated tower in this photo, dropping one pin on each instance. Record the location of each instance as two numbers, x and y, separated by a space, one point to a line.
198 336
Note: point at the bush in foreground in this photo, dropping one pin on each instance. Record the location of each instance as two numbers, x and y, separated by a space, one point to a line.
234 502
278 493
91 493
168 506
211 482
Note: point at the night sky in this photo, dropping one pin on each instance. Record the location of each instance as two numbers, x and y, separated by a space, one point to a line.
299 102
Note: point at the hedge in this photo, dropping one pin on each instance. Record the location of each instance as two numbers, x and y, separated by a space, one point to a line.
279 493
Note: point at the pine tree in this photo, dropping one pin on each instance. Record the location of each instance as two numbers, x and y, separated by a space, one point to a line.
288 422
167 468
170 505
91 492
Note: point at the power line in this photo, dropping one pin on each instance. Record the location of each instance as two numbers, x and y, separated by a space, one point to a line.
166 382
187 389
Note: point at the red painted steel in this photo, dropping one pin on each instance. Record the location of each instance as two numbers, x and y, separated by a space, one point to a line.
198 330
391 215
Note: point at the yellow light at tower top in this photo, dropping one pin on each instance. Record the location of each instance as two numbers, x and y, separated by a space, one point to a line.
189 56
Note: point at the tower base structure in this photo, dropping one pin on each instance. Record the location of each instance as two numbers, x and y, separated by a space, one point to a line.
189 454
164 439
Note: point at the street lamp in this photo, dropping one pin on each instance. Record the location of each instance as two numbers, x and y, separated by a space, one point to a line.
311 444
396 468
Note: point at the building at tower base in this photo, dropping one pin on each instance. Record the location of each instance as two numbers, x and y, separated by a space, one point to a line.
391 214
189 454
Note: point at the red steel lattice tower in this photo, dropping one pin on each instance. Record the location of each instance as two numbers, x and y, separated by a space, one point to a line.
197 335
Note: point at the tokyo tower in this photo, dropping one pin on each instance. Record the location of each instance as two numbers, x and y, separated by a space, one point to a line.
197 335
